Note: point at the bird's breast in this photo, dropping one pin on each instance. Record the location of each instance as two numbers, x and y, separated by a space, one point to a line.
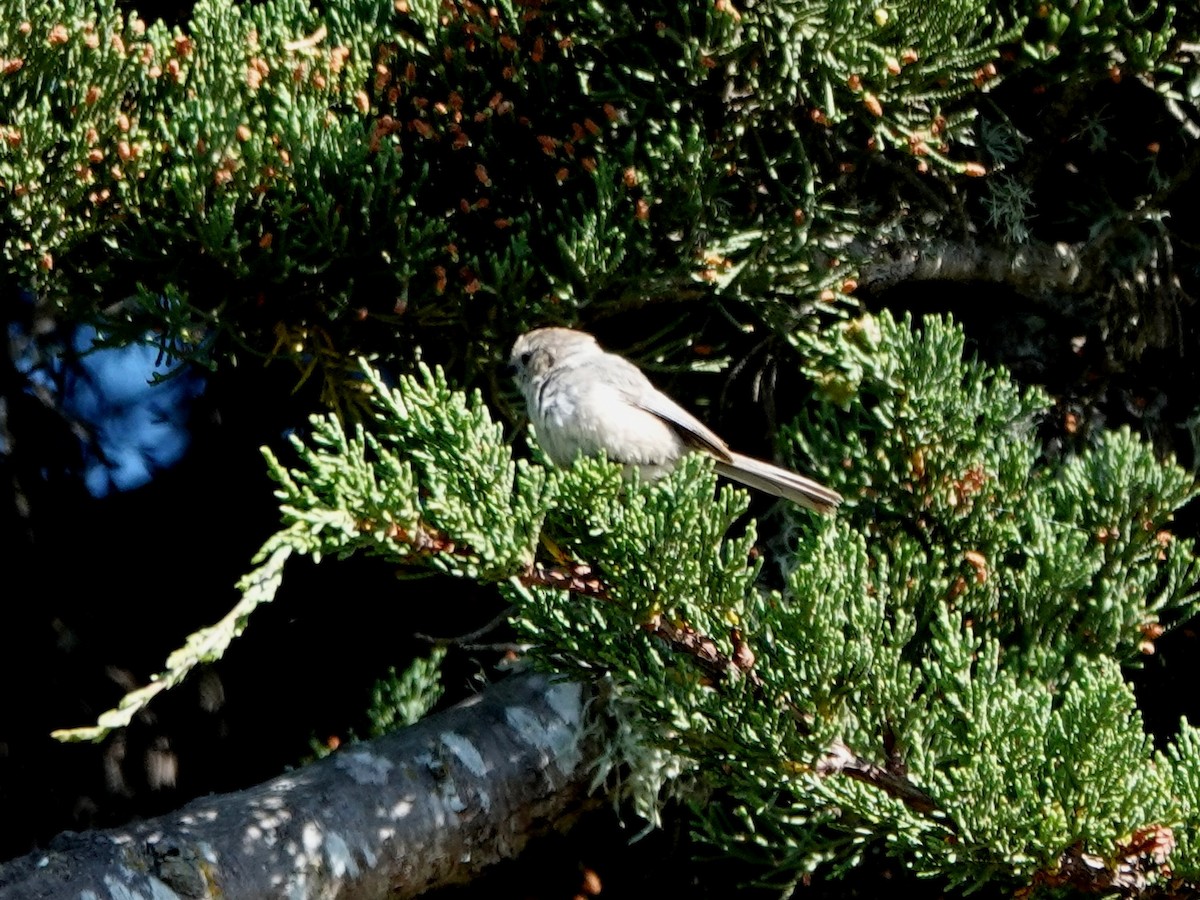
576 416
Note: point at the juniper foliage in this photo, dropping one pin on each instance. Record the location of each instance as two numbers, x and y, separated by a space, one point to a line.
264 179
940 674
939 670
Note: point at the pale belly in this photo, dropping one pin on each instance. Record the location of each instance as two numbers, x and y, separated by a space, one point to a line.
598 420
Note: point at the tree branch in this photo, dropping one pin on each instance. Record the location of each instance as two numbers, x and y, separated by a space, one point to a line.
841 759
1033 269
427 806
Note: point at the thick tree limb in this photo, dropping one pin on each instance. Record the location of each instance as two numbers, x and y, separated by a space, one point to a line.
426 806
1034 269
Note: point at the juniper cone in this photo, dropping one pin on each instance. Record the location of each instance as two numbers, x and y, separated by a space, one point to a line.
582 399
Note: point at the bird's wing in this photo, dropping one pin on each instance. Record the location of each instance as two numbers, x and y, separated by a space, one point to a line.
637 389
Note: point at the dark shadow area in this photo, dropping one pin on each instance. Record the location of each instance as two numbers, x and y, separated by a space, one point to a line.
102 590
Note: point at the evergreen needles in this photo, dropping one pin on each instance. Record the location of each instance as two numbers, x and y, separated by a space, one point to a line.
940 674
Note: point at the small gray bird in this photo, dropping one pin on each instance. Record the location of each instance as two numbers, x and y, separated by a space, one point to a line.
582 399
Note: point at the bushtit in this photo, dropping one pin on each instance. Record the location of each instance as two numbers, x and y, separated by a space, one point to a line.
582 399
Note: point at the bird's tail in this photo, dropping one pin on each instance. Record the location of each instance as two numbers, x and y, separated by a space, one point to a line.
781 482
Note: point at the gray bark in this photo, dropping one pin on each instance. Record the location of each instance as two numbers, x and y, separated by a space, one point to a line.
423 807
1034 269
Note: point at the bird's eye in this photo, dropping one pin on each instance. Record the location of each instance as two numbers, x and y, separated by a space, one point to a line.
525 357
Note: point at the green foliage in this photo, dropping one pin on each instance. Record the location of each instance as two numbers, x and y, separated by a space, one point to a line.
1123 34
204 646
1008 206
1077 558
397 700
438 489
1182 761
282 174
939 675
887 58
662 550
938 672
964 618
404 699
